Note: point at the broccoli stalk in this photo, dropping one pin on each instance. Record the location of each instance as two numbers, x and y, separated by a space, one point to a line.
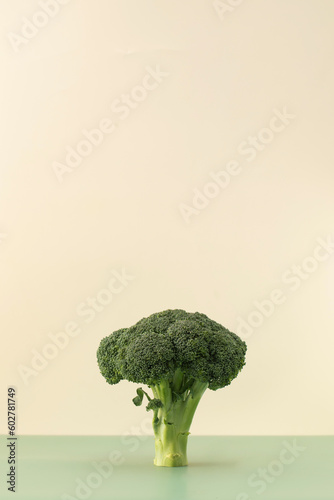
173 405
172 421
178 355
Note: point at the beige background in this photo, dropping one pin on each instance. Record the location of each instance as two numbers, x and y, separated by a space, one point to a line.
120 208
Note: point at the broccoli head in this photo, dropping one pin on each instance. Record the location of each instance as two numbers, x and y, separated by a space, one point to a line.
178 355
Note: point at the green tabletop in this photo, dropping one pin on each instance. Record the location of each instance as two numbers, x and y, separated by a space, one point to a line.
121 468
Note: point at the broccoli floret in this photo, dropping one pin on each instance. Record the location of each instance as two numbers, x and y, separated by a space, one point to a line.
178 355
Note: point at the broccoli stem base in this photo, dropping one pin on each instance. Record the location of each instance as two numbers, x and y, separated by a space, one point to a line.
172 422
171 448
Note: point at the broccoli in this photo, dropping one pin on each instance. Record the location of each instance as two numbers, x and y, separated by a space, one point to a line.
178 355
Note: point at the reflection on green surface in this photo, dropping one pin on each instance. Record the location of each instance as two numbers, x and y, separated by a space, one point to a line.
221 468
